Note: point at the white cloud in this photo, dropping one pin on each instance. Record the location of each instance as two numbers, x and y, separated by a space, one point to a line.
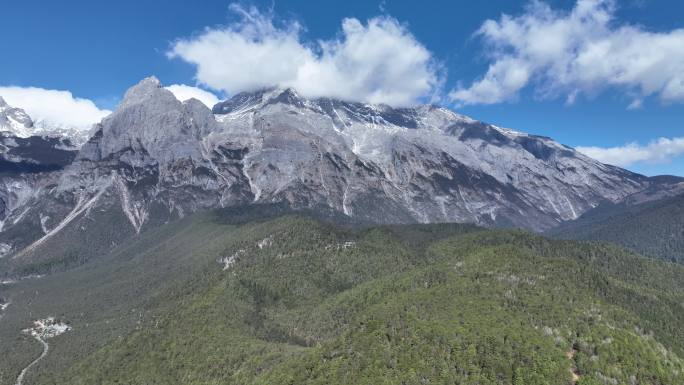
658 151
184 92
54 107
583 51
377 62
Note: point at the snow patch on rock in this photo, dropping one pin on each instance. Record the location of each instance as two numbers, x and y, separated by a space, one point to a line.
266 242
5 249
135 213
230 260
83 205
342 246
43 223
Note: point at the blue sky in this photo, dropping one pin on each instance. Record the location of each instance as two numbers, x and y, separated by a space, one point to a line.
96 52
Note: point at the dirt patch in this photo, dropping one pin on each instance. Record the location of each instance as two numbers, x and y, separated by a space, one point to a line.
570 354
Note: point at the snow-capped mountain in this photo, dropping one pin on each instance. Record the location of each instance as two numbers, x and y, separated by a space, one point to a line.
156 158
16 122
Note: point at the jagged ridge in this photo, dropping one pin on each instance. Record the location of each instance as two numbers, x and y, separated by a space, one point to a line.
155 159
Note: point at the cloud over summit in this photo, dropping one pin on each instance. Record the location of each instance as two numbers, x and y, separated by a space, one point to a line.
379 61
55 107
184 92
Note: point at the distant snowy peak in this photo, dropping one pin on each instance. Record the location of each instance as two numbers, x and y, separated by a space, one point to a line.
420 116
15 121
25 147
249 101
76 135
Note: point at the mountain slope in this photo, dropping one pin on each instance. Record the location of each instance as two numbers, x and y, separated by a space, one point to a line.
292 300
28 167
437 166
31 161
155 160
651 228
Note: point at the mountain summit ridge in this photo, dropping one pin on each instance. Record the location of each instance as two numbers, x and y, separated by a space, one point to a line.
155 159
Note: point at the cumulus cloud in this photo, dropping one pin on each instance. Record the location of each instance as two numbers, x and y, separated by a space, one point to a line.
184 92
583 51
54 107
657 151
377 62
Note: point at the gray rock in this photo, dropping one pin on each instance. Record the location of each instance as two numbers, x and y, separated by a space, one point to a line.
155 159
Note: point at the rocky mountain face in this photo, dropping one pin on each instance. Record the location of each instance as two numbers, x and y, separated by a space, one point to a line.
14 121
156 159
29 164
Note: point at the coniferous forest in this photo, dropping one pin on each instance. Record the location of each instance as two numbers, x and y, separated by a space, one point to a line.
272 298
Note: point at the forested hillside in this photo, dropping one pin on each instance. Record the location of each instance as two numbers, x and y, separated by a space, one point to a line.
292 300
654 229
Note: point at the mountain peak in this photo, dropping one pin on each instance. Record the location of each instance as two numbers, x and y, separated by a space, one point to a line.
247 100
145 89
152 126
15 120
286 96
151 81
